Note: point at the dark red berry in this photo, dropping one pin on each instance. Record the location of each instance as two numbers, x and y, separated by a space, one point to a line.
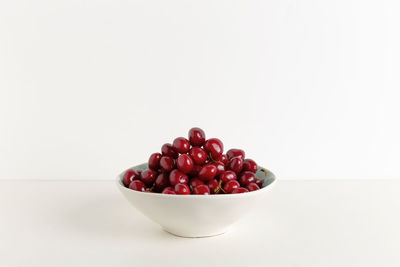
195 182
182 189
236 164
168 150
154 161
230 186
176 176
148 176
250 165
129 176
228 176
223 158
169 190
167 163
196 136
198 155
246 178
252 187
207 172
137 185
195 171
184 163
201 190
239 190
234 152
220 167
161 182
215 147
181 145
259 182
213 185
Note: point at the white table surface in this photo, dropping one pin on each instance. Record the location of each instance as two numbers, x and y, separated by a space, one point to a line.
300 223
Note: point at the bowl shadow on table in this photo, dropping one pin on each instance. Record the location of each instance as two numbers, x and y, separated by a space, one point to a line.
110 217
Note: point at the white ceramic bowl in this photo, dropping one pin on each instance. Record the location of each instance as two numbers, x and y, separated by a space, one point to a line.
195 215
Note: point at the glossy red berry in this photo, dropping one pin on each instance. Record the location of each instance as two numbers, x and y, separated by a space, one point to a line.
137 185
176 176
236 164
161 182
215 147
195 182
181 145
259 182
220 167
198 155
167 164
201 190
129 176
230 186
196 136
239 190
223 159
247 178
235 152
182 189
228 176
252 187
154 161
213 185
168 150
250 165
169 190
207 172
148 176
184 163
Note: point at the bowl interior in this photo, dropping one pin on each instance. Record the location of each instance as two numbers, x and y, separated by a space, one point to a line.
264 174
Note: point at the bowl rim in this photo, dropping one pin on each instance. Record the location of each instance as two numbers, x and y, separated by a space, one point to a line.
191 196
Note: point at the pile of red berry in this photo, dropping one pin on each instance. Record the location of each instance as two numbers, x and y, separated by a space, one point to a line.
195 166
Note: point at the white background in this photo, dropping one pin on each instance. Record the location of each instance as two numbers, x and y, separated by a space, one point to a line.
310 89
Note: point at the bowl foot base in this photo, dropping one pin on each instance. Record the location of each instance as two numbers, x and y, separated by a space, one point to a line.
185 235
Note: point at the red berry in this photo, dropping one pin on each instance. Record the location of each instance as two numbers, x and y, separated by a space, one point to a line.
167 163
250 165
230 186
236 164
148 176
213 185
137 185
207 172
154 161
196 136
195 171
239 190
168 150
215 147
161 182
182 189
227 176
201 190
234 152
184 163
195 182
181 145
176 176
259 182
169 190
198 155
129 176
252 187
246 178
223 158
220 167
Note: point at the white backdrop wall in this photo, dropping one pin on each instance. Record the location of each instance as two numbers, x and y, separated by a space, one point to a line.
310 89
